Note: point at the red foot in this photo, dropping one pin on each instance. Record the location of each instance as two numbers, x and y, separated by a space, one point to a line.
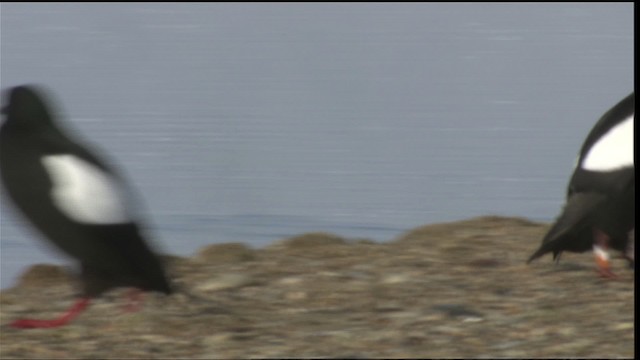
73 311
600 250
606 273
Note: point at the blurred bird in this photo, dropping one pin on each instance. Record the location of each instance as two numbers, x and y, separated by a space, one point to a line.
600 207
75 200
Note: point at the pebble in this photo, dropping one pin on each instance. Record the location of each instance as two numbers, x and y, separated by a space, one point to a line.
225 281
622 326
310 240
225 253
296 295
291 281
395 279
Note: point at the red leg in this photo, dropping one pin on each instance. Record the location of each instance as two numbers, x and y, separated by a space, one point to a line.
73 311
600 251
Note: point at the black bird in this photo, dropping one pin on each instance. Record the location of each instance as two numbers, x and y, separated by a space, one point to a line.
75 200
600 207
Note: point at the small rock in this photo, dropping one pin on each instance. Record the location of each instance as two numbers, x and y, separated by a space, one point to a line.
395 279
457 310
485 263
566 331
472 319
313 239
622 326
296 295
43 274
225 253
290 280
227 281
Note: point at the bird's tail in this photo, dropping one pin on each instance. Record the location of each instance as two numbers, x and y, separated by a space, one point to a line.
568 232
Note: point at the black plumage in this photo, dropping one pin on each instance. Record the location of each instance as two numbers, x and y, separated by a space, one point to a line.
73 198
600 203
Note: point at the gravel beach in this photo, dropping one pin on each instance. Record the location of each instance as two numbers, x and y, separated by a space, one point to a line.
459 289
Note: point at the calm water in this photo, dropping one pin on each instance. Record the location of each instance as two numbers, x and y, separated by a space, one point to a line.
252 122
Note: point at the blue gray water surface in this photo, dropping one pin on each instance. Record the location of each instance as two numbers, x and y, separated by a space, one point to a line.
253 122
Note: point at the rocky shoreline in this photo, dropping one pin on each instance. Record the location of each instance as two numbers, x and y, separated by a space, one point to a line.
459 289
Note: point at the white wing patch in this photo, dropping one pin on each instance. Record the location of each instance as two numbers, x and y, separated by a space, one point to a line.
84 192
614 150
